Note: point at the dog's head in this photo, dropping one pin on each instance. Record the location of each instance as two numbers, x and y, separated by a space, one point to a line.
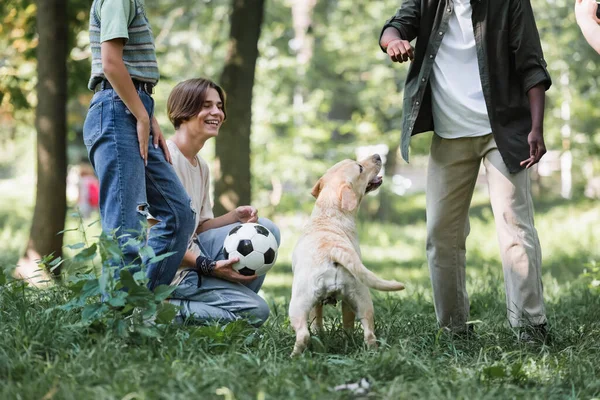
348 181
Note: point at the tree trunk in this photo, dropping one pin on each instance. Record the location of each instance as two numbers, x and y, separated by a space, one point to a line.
51 125
232 150
303 46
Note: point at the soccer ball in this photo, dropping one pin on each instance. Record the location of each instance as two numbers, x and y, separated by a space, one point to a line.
255 246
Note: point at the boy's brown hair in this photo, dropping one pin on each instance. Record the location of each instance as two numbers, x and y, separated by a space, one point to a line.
187 97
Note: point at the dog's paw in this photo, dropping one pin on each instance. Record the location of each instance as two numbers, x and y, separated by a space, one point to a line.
371 342
296 352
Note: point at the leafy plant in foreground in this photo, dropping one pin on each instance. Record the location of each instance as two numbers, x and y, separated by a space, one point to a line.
118 299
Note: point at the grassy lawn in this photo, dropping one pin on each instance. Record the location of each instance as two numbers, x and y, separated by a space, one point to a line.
47 355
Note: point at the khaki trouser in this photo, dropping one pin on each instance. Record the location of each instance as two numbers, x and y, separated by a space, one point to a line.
452 172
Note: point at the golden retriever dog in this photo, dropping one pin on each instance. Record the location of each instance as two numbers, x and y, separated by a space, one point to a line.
326 261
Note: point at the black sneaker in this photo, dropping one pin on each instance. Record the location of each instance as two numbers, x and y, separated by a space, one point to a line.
534 334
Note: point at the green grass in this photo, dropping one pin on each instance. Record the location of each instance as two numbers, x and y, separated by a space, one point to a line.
46 353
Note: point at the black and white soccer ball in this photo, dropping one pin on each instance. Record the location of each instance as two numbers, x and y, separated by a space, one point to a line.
255 246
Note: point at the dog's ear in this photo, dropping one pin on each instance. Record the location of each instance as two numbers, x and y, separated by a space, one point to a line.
348 198
316 190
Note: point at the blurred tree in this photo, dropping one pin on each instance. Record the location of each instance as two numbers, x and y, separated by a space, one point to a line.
571 126
57 22
232 149
51 125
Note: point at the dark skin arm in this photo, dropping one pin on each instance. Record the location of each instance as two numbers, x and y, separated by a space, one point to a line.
399 50
537 148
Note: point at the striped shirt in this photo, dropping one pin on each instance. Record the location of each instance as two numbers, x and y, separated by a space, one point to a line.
124 19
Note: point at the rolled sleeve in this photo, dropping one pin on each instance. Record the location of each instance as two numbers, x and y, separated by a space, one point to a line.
115 17
526 47
405 21
537 75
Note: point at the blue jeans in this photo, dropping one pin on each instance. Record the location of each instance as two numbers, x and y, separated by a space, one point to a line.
204 298
129 190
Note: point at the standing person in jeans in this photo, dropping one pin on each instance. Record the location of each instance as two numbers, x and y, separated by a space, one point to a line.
208 288
125 144
478 80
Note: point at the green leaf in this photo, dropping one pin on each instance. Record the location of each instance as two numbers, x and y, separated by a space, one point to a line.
127 309
55 263
121 328
166 313
77 286
162 292
103 281
76 246
140 296
147 253
67 230
150 311
87 253
93 311
139 276
90 288
250 339
74 303
148 331
161 257
117 301
127 279
110 251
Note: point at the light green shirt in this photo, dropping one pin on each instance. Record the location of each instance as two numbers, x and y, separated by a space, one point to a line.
123 19
116 16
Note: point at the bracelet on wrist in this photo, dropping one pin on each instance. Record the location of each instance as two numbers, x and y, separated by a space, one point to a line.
205 266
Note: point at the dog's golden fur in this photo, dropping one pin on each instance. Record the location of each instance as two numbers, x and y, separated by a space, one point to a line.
326 261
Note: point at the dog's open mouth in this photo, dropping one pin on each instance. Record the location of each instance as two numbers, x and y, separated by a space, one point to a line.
374 184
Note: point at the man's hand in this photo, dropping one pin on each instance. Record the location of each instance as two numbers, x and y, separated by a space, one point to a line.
159 140
246 214
143 134
118 76
224 270
586 10
537 148
400 50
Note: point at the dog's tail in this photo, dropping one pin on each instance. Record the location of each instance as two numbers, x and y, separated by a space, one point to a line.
348 258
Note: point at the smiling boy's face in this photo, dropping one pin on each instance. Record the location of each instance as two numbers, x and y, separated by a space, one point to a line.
211 116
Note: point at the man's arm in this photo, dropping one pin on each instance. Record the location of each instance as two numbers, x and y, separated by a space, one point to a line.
525 45
406 23
223 220
119 78
399 30
222 269
537 147
241 214
399 50
526 48
585 13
